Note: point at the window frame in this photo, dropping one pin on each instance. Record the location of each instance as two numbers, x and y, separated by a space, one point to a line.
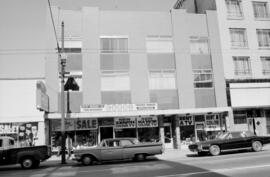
244 73
266 15
161 72
260 36
111 49
242 44
202 75
114 73
234 14
265 60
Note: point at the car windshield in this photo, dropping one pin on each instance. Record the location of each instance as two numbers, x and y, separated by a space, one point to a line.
222 136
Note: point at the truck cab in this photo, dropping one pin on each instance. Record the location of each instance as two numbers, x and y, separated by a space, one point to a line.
6 142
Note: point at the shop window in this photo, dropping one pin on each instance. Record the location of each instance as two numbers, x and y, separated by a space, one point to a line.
199 45
114 44
159 44
260 10
263 36
162 79
203 78
150 134
234 8
238 37
265 65
242 66
240 117
125 132
199 118
112 80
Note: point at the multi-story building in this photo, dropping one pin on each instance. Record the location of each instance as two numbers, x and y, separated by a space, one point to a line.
245 40
145 74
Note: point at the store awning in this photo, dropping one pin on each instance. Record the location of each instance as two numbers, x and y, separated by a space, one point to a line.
193 111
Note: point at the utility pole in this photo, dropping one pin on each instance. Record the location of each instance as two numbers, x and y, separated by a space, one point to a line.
63 64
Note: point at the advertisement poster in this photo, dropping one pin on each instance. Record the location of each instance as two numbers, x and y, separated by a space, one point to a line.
147 122
125 122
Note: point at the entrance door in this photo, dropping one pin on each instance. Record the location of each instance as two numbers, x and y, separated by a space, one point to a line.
168 135
106 132
251 125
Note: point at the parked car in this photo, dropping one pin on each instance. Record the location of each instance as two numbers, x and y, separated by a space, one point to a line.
118 149
230 141
28 157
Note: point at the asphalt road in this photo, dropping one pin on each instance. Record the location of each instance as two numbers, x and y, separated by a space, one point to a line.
244 164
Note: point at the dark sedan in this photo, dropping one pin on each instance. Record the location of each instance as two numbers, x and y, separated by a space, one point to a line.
230 141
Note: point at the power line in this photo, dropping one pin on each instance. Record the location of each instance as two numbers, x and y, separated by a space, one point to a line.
55 34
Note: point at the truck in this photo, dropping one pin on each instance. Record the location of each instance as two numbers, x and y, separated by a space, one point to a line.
118 149
28 157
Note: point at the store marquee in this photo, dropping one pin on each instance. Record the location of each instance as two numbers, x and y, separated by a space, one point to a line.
71 124
125 122
147 122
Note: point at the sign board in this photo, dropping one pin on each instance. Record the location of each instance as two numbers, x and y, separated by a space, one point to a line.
125 122
86 124
147 122
69 125
9 128
186 120
117 107
42 99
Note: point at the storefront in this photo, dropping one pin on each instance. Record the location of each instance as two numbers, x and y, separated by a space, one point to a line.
173 127
24 133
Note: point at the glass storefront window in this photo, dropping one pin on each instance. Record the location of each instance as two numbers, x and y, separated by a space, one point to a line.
125 132
148 134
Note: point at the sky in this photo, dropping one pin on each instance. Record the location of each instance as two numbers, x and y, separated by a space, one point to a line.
129 5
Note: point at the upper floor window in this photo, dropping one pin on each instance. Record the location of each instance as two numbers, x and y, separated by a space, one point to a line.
265 65
234 8
199 45
242 66
238 37
203 78
260 10
115 80
113 44
159 44
162 79
263 37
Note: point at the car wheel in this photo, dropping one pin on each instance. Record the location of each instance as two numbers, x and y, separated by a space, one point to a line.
256 146
27 162
214 150
140 157
87 160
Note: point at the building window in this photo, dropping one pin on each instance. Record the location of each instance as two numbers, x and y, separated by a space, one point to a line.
203 78
115 80
260 10
240 117
242 66
159 44
113 44
199 45
162 79
234 8
265 65
238 37
263 37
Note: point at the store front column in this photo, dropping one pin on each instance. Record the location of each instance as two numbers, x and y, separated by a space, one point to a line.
177 138
161 129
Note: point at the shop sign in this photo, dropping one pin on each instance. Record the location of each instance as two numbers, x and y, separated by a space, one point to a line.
147 122
117 107
9 128
69 125
86 124
125 122
186 120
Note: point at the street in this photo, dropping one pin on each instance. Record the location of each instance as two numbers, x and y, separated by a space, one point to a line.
171 164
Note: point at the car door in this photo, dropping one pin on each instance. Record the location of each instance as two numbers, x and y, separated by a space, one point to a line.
234 141
128 148
112 150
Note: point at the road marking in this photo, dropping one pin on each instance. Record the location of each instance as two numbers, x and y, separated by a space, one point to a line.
215 171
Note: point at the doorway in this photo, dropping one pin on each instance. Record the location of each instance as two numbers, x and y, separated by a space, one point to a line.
105 132
168 135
